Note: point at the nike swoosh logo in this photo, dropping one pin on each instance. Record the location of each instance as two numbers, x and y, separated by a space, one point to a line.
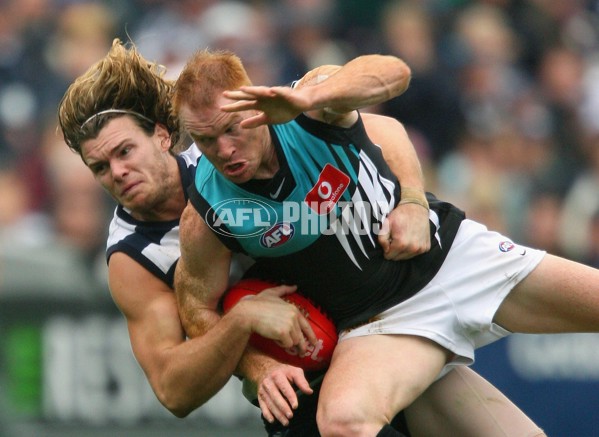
276 193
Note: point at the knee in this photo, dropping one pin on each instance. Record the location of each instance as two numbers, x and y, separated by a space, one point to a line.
339 425
340 421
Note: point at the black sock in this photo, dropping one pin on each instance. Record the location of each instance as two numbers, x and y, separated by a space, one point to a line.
389 431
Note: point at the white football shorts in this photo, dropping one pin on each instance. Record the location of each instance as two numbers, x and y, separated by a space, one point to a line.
456 308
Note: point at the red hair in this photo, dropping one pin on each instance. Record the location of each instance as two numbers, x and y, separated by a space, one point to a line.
206 74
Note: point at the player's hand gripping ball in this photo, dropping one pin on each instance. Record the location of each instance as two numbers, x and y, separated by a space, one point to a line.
316 357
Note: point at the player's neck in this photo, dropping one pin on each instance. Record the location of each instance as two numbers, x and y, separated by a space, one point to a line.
270 162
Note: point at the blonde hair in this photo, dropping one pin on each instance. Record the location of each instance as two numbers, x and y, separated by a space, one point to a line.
123 83
205 74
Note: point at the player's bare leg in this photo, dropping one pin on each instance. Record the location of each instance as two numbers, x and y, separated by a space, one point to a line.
464 404
372 378
557 296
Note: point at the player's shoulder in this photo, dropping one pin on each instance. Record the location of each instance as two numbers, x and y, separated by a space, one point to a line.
190 156
121 226
154 245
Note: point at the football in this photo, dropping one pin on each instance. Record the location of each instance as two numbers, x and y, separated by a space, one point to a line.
316 357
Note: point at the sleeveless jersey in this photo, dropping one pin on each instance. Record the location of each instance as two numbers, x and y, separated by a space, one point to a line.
154 245
315 222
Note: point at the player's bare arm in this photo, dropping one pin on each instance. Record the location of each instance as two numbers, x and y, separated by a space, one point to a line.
207 362
272 383
202 274
406 232
157 340
363 81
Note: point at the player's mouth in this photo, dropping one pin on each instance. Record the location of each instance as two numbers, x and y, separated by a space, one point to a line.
128 189
235 169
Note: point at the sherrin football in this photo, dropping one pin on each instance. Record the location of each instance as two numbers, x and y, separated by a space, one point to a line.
316 357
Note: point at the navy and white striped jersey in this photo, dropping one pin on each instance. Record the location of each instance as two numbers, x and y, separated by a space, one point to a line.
154 245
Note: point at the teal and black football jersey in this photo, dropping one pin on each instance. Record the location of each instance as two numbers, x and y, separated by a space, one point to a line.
315 223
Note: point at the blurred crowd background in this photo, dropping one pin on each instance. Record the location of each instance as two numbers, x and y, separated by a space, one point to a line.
503 108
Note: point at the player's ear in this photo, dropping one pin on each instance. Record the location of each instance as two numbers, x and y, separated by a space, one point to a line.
163 135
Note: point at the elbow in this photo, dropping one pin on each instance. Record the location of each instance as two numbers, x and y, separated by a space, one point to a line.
180 413
404 74
397 76
177 408
176 403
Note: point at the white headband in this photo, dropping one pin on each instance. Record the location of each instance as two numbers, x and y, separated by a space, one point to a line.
116 111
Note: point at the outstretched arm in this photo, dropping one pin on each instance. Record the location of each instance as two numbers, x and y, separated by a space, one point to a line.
364 81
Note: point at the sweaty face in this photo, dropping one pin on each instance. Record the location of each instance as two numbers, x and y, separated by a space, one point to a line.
239 154
132 166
